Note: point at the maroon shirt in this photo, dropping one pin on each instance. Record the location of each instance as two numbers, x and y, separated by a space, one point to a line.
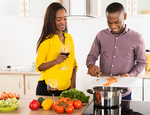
118 53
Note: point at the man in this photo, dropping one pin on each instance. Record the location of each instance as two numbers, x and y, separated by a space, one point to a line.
122 50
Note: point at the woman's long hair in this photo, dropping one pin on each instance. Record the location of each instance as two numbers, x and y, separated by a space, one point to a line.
49 22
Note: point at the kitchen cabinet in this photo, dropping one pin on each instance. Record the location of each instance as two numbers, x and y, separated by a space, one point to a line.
23 83
146 89
143 6
31 84
132 7
24 7
12 83
38 7
137 90
9 8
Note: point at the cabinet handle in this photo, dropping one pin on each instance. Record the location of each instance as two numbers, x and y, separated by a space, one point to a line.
20 83
29 84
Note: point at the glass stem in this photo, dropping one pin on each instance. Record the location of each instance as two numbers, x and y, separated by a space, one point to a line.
53 97
64 64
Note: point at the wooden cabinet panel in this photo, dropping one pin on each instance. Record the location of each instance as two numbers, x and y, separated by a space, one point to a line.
31 84
12 83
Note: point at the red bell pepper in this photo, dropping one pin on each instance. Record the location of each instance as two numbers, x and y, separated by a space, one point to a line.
34 104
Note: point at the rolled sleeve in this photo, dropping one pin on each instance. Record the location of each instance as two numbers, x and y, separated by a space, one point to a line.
141 58
41 54
75 64
94 52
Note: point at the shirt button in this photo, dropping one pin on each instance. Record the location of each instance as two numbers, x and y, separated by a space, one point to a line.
110 74
116 37
115 47
112 65
114 56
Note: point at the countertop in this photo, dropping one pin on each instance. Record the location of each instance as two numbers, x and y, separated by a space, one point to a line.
144 74
20 72
23 109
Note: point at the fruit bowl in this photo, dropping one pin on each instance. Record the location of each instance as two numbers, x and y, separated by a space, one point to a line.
10 108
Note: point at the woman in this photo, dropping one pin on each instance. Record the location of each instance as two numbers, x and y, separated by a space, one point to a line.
49 61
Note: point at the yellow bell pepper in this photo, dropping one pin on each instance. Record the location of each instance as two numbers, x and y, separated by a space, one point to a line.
47 104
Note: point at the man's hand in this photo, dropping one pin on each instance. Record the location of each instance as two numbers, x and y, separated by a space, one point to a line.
93 70
124 75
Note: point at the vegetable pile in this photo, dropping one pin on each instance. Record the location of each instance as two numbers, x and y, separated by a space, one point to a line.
46 104
66 105
9 103
10 95
74 93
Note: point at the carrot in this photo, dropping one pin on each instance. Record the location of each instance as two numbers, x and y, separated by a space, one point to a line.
4 95
106 84
10 95
1 97
4 92
14 95
17 96
115 80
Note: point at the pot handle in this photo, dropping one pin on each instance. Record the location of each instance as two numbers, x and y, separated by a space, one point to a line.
124 90
90 91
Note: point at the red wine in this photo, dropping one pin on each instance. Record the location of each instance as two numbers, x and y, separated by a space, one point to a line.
52 90
65 54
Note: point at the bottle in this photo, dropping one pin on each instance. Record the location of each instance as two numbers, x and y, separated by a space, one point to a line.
148 59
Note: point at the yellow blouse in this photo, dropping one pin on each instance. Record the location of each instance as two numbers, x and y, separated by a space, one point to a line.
48 51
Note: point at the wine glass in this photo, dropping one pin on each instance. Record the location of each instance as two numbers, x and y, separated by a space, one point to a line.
52 87
65 50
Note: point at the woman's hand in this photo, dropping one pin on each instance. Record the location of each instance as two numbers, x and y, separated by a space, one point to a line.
60 58
93 70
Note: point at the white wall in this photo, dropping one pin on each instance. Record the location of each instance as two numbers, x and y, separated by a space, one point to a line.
18 37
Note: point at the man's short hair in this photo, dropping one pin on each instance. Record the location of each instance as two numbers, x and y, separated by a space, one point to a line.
114 7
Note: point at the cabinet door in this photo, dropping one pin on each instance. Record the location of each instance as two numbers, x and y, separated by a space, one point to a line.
143 6
9 7
38 7
137 90
31 84
12 83
105 3
146 89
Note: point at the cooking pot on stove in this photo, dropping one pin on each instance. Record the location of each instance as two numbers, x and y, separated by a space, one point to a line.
107 97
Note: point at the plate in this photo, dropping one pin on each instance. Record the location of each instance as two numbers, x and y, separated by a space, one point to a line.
9 108
122 81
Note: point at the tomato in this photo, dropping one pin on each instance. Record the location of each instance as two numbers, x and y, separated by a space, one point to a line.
60 109
69 103
69 109
62 99
77 104
55 105
67 98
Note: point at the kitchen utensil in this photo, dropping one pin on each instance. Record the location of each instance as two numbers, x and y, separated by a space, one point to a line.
122 81
106 96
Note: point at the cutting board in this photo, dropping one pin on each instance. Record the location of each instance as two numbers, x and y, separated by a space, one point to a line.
122 81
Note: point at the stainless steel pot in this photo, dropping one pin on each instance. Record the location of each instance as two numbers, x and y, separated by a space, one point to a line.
107 96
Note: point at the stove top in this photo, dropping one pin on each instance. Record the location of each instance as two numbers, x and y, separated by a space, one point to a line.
126 108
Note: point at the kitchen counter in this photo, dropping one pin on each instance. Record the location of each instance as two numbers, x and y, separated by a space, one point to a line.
145 75
20 72
23 109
